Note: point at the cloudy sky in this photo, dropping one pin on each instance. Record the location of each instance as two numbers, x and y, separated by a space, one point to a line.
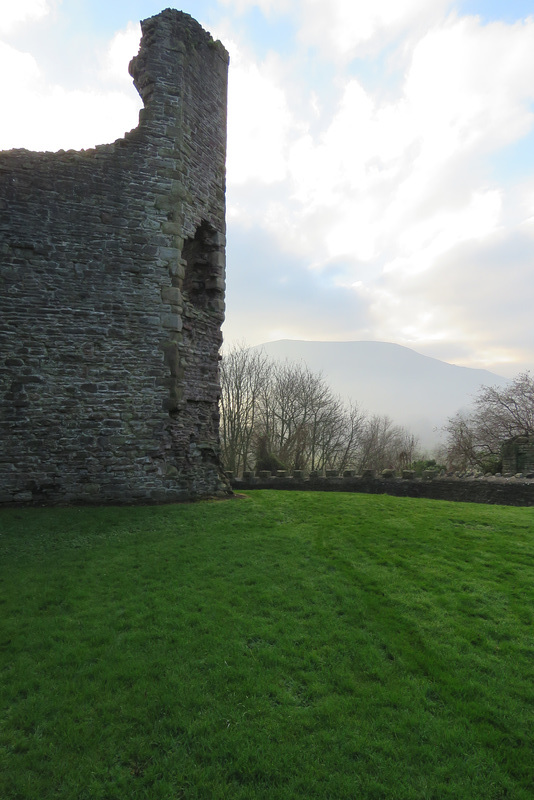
380 157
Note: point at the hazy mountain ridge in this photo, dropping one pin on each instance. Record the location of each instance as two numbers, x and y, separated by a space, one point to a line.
417 391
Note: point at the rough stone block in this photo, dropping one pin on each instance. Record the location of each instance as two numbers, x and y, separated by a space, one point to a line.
408 474
171 321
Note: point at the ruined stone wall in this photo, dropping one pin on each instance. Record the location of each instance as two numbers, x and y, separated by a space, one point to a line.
496 491
112 294
518 454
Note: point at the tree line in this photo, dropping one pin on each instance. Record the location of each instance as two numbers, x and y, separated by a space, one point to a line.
284 416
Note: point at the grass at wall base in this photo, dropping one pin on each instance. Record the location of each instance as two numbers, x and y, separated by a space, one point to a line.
284 645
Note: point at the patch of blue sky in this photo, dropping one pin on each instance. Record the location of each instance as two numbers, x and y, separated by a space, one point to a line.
508 11
100 18
104 18
267 33
206 12
515 162
376 73
318 83
284 293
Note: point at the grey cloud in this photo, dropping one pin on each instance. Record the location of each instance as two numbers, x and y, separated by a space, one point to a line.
487 288
268 288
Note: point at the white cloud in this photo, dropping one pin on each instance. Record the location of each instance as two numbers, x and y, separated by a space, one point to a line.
397 188
42 115
120 51
267 6
410 170
85 119
471 82
479 293
19 12
22 68
344 29
426 240
259 121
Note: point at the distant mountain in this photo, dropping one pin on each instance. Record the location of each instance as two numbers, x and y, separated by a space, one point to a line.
383 378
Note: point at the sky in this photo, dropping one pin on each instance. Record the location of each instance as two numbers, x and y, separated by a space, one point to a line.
380 172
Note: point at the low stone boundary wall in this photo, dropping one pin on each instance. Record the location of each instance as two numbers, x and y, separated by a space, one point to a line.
513 491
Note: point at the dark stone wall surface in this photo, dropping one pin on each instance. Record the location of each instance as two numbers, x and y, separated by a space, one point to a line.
112 294
496 492
518 454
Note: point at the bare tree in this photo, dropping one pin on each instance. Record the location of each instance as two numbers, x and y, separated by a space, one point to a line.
502 413
386 445
475 438
407 449
353 428
285 415
463 449
244 375
374 443
298 415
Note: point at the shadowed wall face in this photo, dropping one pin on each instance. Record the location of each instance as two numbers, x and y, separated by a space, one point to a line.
112 294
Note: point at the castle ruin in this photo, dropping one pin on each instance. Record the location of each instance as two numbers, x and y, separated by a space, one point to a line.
518 455
112 294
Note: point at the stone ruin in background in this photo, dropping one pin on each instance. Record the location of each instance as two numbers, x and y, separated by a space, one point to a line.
518 455
112 294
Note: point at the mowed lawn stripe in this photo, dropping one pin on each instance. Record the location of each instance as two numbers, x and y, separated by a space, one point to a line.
280 645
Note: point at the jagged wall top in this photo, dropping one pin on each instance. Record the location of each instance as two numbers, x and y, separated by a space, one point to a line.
155 68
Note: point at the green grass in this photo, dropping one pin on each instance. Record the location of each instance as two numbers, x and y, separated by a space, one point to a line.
284 645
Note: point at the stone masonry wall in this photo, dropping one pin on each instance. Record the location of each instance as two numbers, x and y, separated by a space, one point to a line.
514 491
112 294
518 454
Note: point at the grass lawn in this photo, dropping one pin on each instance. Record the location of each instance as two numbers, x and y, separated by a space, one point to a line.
283 645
